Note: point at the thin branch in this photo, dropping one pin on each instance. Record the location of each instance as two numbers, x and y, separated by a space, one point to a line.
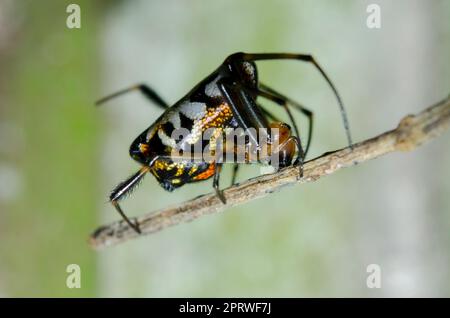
412 131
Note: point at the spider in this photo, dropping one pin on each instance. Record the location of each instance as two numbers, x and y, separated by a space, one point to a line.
227 99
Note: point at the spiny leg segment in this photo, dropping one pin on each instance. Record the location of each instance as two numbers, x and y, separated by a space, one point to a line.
125 188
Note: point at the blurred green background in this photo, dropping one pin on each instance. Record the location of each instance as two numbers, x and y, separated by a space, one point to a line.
60 156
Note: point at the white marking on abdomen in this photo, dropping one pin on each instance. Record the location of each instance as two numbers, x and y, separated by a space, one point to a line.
193 110
166 140
174 118
211 89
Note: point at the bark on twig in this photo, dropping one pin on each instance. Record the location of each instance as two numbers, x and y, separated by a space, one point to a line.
412 131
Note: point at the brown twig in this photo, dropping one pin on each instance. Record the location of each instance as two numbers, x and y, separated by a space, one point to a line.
412 131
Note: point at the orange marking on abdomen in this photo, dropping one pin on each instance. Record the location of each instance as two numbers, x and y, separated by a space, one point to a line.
207 173
217 117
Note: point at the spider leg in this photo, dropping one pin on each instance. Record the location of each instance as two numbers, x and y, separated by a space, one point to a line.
148 92
286 102
306 58
244 108
300 155
234 175
219 192
236 166
246 112
283 101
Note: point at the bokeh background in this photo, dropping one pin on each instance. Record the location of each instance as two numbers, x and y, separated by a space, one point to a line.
60 156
